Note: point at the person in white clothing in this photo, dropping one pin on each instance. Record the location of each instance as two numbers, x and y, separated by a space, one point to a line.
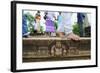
65 28
39 26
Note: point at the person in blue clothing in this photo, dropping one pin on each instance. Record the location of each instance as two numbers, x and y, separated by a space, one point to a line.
59 20
59 17
80 21
24 26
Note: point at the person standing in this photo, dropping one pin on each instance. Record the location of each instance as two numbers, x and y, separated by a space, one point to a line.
59 20
24 26
50 25
80 21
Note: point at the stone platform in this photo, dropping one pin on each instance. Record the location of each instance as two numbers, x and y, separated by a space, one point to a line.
36 49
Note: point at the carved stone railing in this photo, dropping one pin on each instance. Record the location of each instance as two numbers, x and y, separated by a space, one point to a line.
46 49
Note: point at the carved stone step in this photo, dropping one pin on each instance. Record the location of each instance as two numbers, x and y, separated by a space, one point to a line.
43 48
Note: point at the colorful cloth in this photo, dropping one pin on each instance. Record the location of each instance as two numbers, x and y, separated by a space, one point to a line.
24 26
50 26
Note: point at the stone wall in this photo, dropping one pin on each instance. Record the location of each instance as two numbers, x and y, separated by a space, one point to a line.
41 49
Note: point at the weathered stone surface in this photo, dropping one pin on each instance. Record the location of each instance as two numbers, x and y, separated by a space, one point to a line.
38 49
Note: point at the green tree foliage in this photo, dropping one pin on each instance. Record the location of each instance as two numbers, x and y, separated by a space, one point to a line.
76 28
56 24
30 20
29 17
41 29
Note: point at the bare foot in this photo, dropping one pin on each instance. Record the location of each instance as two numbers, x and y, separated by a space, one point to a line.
73 36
